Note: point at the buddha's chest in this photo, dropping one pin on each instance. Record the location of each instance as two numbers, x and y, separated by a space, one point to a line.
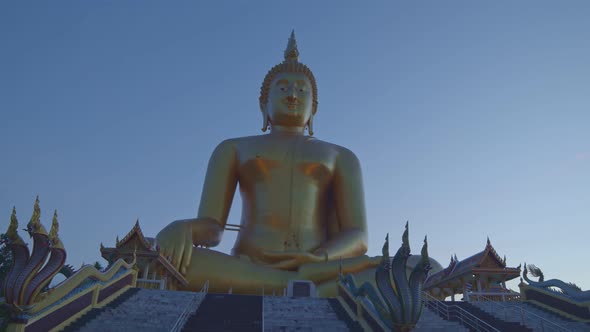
288 165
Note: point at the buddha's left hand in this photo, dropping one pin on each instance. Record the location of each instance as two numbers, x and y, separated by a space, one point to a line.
291 260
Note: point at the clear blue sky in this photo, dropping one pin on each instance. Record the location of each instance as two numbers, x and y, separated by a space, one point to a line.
471 119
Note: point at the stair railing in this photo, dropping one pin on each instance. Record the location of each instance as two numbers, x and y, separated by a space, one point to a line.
179 324
449 310
535 321
205 288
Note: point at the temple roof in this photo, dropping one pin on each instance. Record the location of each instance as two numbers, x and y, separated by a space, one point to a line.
136 243
135 232
486 260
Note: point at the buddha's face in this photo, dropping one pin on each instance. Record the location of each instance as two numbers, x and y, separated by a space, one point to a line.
290 100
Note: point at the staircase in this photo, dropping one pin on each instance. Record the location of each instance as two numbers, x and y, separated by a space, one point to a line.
146 310
490 319
343 316
571 325
302 314
228 313
430 321
93 313
530 315
516 312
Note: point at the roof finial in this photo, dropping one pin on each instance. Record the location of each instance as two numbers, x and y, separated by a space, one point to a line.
292 53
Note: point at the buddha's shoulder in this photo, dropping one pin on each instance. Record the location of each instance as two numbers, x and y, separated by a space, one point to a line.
236 142
341 152
246 142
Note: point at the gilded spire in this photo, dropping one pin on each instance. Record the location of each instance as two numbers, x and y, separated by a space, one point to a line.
292 53
34 225
54 227
53 232
36 217
11 233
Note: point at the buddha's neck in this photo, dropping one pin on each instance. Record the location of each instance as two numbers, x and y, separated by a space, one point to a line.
284 130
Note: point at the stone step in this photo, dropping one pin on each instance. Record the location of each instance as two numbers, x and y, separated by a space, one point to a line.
493 321
147 310
429 321
302 314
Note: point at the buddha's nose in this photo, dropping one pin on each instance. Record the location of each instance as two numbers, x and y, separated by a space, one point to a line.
291 98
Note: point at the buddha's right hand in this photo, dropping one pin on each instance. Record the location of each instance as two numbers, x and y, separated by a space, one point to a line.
177 239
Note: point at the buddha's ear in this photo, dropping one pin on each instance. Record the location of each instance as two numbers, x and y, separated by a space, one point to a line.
310 125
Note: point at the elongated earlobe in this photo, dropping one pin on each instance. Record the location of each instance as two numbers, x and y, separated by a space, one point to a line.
310 126
264 121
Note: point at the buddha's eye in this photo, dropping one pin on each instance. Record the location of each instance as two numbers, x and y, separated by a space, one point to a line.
283 89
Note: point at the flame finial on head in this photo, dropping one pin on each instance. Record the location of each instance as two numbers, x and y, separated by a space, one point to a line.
292 53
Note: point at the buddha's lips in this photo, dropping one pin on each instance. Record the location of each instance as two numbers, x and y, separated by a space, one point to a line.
291 105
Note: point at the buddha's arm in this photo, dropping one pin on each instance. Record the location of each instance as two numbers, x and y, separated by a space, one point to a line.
218 192
349 202
177 239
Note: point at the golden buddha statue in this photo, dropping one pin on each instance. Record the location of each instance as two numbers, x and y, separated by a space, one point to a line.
303 211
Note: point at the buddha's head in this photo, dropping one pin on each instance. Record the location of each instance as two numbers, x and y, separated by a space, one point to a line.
288 96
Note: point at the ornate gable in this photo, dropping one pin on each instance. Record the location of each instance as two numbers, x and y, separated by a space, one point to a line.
135 240
490 258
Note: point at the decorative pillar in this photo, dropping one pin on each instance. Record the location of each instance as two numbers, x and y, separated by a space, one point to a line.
465 293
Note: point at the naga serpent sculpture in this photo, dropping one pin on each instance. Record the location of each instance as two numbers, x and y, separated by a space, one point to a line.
401 306
26 278
567 289
30 274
